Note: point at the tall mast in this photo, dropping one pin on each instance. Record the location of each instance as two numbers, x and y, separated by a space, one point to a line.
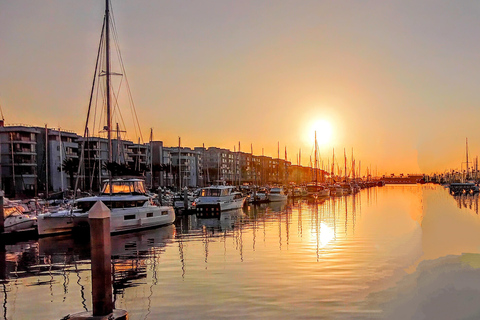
179 167
466 177
316 177
151 158
46 165
278 161
61 159
333 165
107 61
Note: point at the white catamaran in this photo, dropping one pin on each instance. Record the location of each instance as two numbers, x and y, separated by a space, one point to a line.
131 207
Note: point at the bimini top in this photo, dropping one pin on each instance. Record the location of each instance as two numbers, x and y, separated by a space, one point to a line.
124 186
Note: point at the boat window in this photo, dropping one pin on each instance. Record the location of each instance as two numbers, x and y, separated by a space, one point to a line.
130 204
118 187
123 187
164 213
149 214
139 187
129 217
210 193
85 205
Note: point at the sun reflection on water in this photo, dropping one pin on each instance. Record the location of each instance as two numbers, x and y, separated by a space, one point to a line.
323 235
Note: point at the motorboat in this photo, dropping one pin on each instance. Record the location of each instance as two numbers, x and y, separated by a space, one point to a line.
316 190
262 195
277 194
346 188
336 190
463 188
215 199
130 209
17 220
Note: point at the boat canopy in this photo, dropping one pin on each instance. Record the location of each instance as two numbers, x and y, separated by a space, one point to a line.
131 186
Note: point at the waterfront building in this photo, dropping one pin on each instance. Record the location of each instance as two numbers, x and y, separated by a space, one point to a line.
18 160
32 157
299 174
245 165
132 156
95 155
159 170
62 158
219 165
186 166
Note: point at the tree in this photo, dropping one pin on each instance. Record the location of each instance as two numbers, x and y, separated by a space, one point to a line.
70 166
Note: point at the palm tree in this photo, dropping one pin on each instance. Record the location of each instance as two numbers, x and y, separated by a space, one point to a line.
70 166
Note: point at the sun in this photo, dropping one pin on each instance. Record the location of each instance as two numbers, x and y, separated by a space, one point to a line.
323 129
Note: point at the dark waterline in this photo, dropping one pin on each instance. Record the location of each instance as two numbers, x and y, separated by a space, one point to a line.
395 252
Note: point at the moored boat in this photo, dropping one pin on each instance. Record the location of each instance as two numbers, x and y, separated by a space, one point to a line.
277 194
215 199
316 190
131 209
16 220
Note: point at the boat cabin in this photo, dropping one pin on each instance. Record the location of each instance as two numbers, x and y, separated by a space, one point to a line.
215 192
124 186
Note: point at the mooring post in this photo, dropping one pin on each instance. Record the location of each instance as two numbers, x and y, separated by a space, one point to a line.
185 200
101 250
99 217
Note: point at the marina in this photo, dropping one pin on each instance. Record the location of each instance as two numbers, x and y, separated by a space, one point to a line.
365 256
205 218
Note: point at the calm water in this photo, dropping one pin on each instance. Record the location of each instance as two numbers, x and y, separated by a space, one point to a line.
395 252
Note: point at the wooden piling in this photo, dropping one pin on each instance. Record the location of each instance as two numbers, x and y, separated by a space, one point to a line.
2 214
101 248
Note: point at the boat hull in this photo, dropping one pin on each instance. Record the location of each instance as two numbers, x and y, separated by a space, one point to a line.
19 223
121 220
278 197
207 210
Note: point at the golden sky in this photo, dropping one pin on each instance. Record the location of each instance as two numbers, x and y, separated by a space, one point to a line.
395 81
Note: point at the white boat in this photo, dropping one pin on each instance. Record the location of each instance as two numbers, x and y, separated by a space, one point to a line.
277 194
215 199
16 220
336 190
131 209
316 190
346 188
261 195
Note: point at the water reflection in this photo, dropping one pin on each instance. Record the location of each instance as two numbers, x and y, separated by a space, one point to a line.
344 257
467 201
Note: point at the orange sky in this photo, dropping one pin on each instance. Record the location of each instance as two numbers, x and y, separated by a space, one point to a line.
396 81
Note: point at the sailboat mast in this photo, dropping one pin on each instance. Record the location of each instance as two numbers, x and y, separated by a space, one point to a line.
316 177
107 61
466 145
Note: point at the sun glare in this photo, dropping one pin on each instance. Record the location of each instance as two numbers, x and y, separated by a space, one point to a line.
323 128
323 236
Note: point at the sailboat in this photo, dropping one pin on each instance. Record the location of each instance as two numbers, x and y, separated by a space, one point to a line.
315 189
130 205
